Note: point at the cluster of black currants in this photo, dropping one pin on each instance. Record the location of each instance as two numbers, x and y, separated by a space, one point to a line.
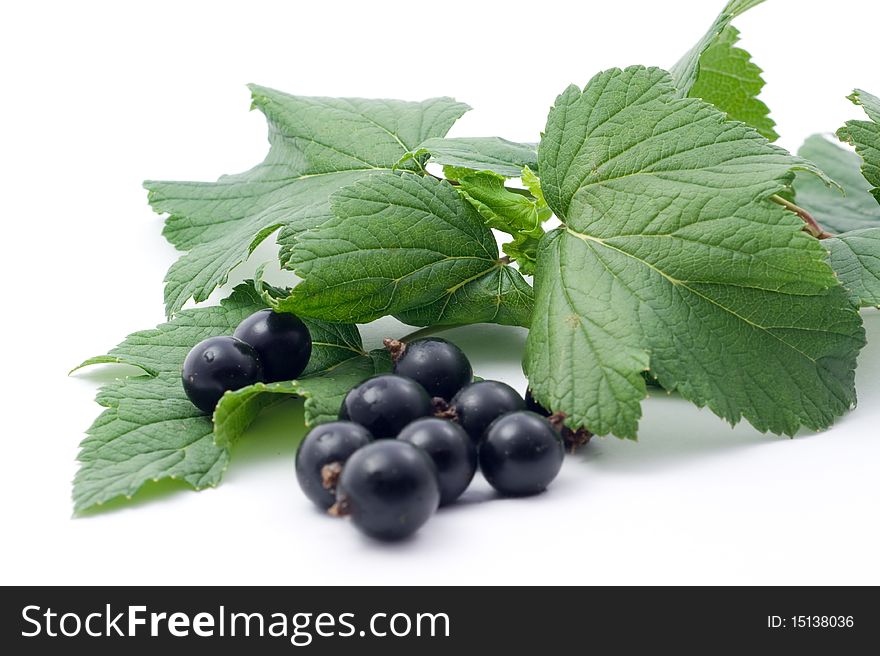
267 347
445 425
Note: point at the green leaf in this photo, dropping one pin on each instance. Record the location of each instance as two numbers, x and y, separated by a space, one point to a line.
729 79
855 208
317 145
408 246
149 430
671 259
505 210
865 136
855 257
686 71
323 393
506 158
533 184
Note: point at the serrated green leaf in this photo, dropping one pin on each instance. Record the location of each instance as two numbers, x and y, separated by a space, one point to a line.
686 71
729 79
855 257
853 209
865 136
671 259
149 430
317 145
408 246
506 158
323 393
505 210
501 296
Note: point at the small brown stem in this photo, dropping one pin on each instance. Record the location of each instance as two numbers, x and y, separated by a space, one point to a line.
574 439
812 226
339 509
442 409
330 475
557 420
395 348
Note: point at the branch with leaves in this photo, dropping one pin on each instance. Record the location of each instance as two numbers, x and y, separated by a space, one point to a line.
687 250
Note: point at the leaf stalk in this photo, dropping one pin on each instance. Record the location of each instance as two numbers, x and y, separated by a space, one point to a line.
812 226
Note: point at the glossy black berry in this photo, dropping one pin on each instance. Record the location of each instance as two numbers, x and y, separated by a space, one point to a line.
479 404
437 365
282 341
452 451
385 404
322 454
522 454
389 488
216 366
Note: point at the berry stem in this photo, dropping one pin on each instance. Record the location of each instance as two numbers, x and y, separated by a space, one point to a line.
330 475
574 439
395 348
443 410
339 509
812 226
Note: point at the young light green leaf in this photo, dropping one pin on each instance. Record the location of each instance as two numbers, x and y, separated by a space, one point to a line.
404 245
500 156
323 393
686 71
671 259
729 79
531 182
149 430
855 257
317 145
853 209
514 213
865 136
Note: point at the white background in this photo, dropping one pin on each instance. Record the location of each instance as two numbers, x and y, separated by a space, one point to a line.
97 97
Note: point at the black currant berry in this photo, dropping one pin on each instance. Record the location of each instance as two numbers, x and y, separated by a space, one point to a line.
322 454
479 404
282 341
389 488
217 365
522 454
452 451
437 365
385 404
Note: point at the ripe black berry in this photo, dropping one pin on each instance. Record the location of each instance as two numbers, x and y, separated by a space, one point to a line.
522 454
479 404
435 364
321 455
385 404
282 341
389 488
452 451
217 365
